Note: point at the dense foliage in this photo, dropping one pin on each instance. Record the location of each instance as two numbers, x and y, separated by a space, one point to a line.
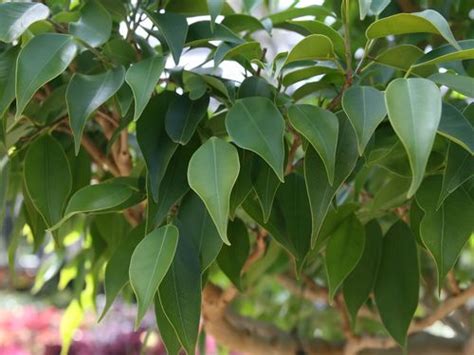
340 169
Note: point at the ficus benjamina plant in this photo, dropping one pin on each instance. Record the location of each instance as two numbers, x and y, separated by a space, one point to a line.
306 164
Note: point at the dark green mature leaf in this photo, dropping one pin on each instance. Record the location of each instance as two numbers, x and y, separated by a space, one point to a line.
360 282
320 191
320 127
306 73
242 22
85 94
16 17
149 264
232 257
460 83
174 29
313 47
414 110
194 7
456 127
200 33
43 58
94 26
183 117
212 173
427 21
180 294
365 107
196 225
247 51
256 86
447 53
48 178
254 123
397 285
343 252
116 271
167 333
142 77
265 184
157 148
243 185
4 178
7 78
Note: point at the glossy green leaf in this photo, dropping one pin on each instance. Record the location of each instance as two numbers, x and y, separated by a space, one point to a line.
16 17
183 117
41 60
319 12
167 333
142 77
254 123
242 22
180 294
196 225
149 264
360 282
174 28
94 25
247 51
85 94
313 47
200 33
398 281
243 186
365 107
265 185
212 172
320 191
459 83
427 21
320 127
414 110
47 178
343 252
215 7
447 53
232 257
7 78
456 127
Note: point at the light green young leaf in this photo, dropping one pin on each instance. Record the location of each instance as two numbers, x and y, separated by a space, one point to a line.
320 127
142 77
414 110
149 264
43 58
212 173
456 127
85 94
364 7
16 17
459 83
215 8
254 123
313 47
94 26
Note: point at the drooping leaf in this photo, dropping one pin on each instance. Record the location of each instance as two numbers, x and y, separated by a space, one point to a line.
447 53
212 172
247 51
320 127
360 282
265 184
48 178
243 185
7 78
149 264
86 93
142 77
43 58
414 110
377 6
364 7
167 333
454 126
215 7
232 257
397 285
94 25
343 252
460 83
200 33
16 17
312 47
254 123
365 108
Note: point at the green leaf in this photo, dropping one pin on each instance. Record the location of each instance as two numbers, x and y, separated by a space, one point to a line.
254 123
377 6
320 127
242 22
142 77
365 107
212 172
194 7
167 333
200 34
47 178
243 185
459 83
85 94
16 17
247 51
265 185
312 47
197 226
150 261
320 191
343 251
447 53
7 78
174 29
364 7
215 7
319 12
43 58
180 294
116 270
256 86
157 148
183 117
427 21
456 127
94 26
414 110
397 285
232 257
306 73
360 282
